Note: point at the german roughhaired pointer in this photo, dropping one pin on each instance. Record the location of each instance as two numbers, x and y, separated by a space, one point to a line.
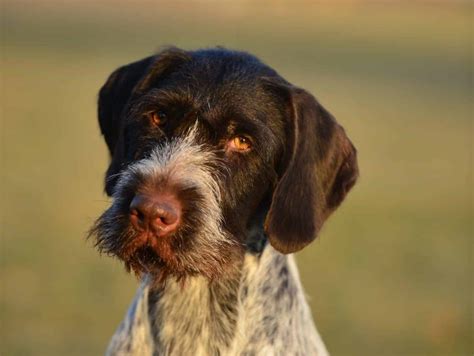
220 169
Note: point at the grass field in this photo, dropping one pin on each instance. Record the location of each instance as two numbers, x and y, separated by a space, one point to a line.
392 273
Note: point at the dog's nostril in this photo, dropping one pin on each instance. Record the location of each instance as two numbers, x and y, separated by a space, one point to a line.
138 212
135 212
166 215
160 213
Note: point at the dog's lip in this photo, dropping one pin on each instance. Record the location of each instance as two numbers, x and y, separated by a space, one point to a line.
161 246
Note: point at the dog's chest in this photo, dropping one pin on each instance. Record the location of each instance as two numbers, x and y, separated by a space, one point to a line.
264 312
195 316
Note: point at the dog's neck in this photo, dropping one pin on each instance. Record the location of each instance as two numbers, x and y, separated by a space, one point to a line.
262 301
194 315
260 310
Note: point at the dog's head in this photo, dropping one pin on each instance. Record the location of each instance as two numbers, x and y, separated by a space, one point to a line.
212 151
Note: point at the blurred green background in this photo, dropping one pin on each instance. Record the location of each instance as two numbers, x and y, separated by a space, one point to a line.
392 273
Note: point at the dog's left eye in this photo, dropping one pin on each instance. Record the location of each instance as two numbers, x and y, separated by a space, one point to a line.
239 143
157 118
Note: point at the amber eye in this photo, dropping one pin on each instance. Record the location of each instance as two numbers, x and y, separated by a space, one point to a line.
240 143
157 118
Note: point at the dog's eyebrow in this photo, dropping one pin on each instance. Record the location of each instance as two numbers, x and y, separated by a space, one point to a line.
167 96
249 125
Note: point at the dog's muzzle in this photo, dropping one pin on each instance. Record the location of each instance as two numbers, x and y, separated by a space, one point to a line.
166 217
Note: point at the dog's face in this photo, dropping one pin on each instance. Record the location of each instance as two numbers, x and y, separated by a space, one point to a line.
213 151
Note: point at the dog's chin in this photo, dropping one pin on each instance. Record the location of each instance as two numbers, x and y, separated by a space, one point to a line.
148 254
157 258
146 261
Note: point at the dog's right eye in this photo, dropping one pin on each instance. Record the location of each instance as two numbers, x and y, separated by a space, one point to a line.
157 118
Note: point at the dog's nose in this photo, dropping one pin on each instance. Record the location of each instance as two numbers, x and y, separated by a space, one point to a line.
160 213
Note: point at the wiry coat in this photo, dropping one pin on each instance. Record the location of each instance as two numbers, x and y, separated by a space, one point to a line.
261 312
219 170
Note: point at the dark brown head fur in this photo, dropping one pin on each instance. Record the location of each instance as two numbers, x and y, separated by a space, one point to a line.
299 168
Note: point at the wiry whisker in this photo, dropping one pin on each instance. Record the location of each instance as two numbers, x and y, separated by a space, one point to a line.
115 175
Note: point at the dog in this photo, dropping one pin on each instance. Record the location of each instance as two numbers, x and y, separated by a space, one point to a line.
220 170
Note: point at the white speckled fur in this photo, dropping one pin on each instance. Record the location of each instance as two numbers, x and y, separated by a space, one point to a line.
133 336
256 307
264 301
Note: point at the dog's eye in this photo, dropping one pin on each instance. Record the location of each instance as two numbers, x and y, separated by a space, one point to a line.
157 118
239 143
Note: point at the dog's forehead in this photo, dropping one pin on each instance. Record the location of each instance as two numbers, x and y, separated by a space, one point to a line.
224 66
220 84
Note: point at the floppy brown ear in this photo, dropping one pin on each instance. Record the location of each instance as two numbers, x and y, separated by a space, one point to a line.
320 169
123 84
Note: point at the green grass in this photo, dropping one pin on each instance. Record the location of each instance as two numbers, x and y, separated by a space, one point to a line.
392 272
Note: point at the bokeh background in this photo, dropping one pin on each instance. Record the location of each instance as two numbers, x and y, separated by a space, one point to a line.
392 273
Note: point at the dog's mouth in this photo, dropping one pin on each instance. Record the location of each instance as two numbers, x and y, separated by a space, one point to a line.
146 260
159 258
148 250
146 240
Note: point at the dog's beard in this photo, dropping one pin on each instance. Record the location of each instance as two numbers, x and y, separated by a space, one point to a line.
193 249
200 245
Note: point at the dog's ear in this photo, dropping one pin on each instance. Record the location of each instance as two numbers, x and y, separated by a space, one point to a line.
122 85
113 98
319 168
